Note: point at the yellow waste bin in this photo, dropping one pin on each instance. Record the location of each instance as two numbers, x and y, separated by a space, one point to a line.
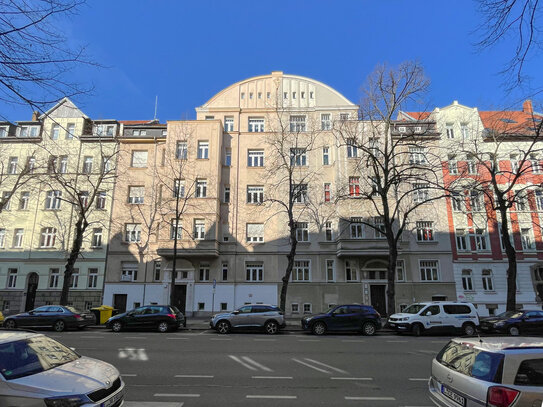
103 313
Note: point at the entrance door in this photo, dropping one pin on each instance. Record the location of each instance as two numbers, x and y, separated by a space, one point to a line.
378 298
31 291
119 302
180 297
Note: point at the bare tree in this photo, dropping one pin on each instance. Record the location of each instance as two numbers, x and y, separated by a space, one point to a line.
400 171
35 57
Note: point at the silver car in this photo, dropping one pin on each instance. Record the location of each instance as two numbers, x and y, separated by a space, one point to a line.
267 317
497 371
36 370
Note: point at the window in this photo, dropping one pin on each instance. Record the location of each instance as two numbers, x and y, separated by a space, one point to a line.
224 271
256 124
199 229
63 164
106 165
18 235
453 164
179 188
74 279
101 200
201 188
48 237
467 280
295 308
307 308
354 186
299 193
481 240
425 231
301 270
92 278
302 231
210 117
175 229
297 123
539 199
476 201
326 123
2 237
327 194
6 202
204 272
298 157
203 150
356 228
3 132
228 123
54 275
379 225
136 195
55 130
535 164
12 166
400 270
181 150
23 200
12 278
328 232
462 242
96 237
226 194
472 164
330 270
132 232
52 164
417 155
87 165
449 129
429 270
326 156
521 201
255 158
514 163
420 193
70 131
84 198
224 306
293 95
488 283
350 272
228 157
464 130
255 232
527 239
129 271
530 371
31 164
457 201
255 194
352 150
139 159
254 271
343 117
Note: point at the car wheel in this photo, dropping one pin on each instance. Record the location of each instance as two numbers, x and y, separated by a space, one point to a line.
162 327
116 326
271 327
10 324
223 327
469 329
417 329
514 331
319 328
59 326
369 329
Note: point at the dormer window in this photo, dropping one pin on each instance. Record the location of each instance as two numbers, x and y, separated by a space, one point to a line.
401 129
3 132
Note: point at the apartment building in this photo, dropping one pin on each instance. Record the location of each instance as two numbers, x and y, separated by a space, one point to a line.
479 260
49 164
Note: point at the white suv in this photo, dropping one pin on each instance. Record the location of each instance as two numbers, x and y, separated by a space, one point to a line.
436 317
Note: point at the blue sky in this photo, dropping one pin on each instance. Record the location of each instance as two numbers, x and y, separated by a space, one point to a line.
186 51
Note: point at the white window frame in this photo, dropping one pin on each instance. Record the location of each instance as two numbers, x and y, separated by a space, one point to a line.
487 279
199 229
425 231
326 121
254 232
132 232
136 194
256 125
449 130
326 155
48 237
351 272
330 270
54 277
18 238
254 271
139 158
255 194
299 192
228 123
328 231
527 238
181 150
429 270
176 229
203 271
302 232
97 235
356 228
24 200
482 243
12 277
12 166
129 271
101 197
417 155
400 270
421 192
92 280
53 200
301 271
203 150
2 238
462 240
352 149
87 165
255 158
467 280
298 157
297 123
74 279
201 188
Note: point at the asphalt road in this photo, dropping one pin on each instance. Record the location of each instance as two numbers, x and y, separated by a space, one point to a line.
290 369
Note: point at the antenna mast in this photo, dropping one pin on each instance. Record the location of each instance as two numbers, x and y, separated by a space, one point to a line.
156 106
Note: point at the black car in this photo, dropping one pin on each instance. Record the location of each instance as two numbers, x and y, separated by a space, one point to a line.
153 317
515 323
58 317
351 317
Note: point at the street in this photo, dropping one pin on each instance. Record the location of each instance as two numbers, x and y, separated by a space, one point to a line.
291 369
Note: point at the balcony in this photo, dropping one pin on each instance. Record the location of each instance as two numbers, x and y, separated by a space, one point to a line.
190 249
364 247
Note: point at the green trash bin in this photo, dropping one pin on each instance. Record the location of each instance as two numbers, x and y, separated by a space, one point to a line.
103 313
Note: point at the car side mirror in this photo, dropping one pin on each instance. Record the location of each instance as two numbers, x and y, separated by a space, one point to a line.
429 313
236 312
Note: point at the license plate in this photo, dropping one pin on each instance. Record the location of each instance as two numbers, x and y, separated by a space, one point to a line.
114 399
453 396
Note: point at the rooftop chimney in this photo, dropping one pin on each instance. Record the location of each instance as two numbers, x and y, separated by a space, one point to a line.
527 107
35 116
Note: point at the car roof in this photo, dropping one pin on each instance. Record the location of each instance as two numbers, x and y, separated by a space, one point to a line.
443 303
7 336
258 305
502 344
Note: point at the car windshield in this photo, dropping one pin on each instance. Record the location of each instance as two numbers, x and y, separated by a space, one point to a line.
414 308
509 314
72 309
33 355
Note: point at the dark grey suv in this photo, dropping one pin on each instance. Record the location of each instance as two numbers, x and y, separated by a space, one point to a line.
252 316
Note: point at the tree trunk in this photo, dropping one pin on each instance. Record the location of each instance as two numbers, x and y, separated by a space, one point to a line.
511 262
391 276
290 263
80 227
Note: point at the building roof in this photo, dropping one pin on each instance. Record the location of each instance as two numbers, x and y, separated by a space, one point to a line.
418 115
509 121
153 122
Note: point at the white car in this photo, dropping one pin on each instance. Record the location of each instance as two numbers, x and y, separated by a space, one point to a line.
36 370
437 316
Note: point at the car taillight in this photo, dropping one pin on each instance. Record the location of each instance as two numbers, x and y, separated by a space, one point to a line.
498 396
172 316
77 316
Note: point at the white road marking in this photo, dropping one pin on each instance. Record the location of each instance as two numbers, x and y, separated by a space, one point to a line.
427 351
221 339
352 378
178 338
418 379
397 341
242 363
265 340
175 395
352 340
309 340
134 337
152 404
335 369
128 374
311 366
187 376
272 377
91 337
254 396
371 398
258 365
434 342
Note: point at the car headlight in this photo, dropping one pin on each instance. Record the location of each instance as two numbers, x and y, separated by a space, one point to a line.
66 401
405 319
307 319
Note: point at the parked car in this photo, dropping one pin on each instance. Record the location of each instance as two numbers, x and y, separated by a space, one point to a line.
437 316
57 317
350 317
36 370
515 323
1 318
498 371
252 316
151 317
